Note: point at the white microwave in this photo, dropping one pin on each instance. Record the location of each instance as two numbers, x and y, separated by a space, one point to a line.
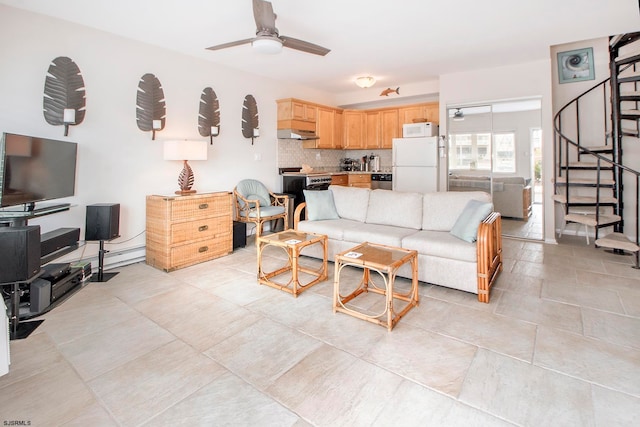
419 130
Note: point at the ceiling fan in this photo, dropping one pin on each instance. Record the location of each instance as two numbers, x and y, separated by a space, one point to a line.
267 39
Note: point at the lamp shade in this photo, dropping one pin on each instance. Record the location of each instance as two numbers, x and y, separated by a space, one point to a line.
365 82
268 45
185 150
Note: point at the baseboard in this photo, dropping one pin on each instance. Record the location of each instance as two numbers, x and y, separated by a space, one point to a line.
115 258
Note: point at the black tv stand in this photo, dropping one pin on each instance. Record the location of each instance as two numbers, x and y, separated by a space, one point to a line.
13 217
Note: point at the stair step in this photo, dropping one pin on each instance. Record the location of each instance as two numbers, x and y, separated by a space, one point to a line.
617 241
589 182
628 58
600 149
630 94
590 219
630 132
588 166
584 200
629 114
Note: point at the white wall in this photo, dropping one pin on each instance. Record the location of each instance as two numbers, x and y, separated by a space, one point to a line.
527 80
118 163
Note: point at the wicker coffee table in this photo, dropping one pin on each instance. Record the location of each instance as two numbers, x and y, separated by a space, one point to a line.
385 260
292 242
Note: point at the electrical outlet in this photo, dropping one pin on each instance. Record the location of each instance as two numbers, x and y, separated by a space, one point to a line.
318 156
257 157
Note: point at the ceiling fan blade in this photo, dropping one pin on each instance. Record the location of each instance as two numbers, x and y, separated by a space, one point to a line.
264 16
230 44
304 46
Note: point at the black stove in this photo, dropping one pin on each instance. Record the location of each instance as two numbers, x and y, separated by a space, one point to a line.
294 182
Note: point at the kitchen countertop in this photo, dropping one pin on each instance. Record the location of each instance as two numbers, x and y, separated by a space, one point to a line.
322 172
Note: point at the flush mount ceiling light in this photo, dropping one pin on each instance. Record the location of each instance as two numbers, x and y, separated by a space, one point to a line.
365 81
458 115
267 44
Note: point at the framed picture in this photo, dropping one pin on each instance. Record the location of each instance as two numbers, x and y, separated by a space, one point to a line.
575 65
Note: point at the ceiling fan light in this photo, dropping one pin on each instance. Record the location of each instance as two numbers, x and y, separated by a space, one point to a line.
365 81
269 46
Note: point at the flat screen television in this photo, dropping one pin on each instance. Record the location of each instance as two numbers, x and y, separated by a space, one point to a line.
35 169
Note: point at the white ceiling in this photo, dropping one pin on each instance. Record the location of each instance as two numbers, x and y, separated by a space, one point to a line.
398 42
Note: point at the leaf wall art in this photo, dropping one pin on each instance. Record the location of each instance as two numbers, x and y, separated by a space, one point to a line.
250 118
209 114
150 105
64 94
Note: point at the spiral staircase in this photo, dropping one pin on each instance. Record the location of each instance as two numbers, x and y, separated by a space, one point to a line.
594 186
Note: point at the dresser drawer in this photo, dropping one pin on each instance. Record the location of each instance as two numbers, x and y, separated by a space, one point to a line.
187 208
193 253
207 228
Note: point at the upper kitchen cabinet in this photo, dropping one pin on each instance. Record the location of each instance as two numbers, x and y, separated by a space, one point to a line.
420 112
296 114
390 127
328 129
355 129
372 134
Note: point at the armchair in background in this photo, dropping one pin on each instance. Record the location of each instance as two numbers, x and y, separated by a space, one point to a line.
254 203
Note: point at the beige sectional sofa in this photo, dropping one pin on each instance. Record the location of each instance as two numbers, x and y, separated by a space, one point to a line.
423 222
511 194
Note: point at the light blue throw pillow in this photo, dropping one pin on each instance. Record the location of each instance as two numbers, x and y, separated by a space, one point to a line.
320 205
466 226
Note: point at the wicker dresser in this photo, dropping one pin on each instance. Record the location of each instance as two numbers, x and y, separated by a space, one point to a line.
186 230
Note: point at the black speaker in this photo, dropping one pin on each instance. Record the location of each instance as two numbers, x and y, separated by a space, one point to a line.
39 295
19 252
103 221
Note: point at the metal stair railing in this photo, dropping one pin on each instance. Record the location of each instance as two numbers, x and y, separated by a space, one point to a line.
562 145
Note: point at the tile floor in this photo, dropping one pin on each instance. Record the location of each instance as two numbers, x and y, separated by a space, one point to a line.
559 345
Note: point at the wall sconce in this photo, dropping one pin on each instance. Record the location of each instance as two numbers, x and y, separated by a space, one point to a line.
185 150
68 118
215 130
458 116
155 125
365 81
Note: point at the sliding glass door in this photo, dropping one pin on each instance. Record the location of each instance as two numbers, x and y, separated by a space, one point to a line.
496 147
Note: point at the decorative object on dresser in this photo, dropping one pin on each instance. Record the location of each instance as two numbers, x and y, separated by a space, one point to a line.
186 230
64 94
250 118
185 150
255 204
209 114
150 105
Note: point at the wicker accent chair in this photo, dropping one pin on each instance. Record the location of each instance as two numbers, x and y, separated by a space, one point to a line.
254 203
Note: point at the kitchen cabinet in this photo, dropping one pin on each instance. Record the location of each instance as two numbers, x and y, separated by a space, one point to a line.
372 135
296 114
341 179
326 130
362 180
427 111
354 129
390 127
186 230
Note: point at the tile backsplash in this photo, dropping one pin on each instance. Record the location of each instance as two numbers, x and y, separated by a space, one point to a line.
291 154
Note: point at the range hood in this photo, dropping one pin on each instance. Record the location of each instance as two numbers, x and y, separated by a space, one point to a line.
296 134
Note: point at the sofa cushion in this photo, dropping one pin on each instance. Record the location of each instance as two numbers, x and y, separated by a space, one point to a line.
441 210
401 209
320 205
440 244
466 226
351 202
376 233
333 228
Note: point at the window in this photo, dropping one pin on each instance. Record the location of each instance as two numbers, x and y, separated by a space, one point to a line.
472 151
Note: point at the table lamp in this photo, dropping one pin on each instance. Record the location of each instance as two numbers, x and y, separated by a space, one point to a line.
185 150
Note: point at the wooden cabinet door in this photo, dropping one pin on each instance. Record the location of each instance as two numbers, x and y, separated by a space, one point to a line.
409 114
354 129
372 134
325 128
338 129
303 111
340 180
390 127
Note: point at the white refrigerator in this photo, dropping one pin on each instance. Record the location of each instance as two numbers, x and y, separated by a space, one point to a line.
415 164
